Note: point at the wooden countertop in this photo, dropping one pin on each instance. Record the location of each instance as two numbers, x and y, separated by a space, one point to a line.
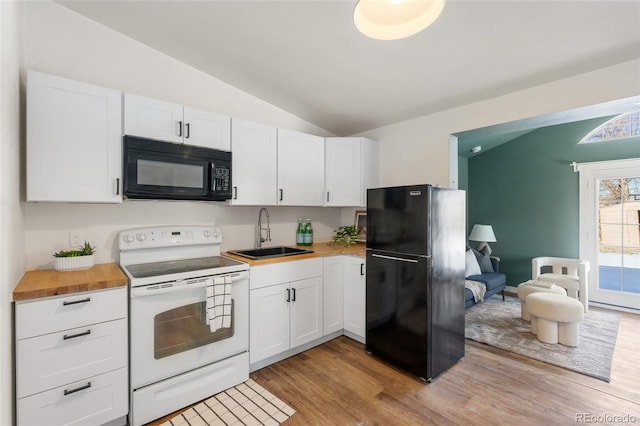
319 250
45 283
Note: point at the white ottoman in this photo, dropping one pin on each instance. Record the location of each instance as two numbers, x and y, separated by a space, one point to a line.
555 317
530 287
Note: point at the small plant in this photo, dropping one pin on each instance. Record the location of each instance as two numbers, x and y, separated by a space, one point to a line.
344 235
85 250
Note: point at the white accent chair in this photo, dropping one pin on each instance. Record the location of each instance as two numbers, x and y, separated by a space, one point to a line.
570 274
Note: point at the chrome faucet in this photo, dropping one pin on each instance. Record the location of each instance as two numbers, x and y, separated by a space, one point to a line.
259 229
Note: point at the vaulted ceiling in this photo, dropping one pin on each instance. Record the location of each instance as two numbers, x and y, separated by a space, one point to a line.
307 57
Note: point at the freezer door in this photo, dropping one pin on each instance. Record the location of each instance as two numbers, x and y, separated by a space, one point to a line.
397 310
398 218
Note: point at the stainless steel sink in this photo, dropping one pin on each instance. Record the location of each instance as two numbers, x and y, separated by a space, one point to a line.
269 252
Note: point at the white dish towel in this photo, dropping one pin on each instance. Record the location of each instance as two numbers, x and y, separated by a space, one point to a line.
219 303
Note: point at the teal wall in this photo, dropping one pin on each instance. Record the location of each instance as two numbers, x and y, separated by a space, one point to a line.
528 191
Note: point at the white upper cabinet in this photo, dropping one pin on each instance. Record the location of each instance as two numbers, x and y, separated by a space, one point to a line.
300 169
166 121
351 167
343 181
254 155
74 141
204 128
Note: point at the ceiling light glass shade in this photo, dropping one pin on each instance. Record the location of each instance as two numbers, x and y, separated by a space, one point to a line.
394 19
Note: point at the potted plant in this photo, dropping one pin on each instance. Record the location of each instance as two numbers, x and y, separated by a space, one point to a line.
73 260
344 235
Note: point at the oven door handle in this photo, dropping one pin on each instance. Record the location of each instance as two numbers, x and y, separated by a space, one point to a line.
182 285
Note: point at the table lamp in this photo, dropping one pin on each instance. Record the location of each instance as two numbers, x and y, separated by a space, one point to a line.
484 235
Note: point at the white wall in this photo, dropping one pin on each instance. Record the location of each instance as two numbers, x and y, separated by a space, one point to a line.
417 151
61 42
12 249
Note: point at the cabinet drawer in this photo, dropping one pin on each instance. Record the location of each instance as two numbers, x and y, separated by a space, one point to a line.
52 360
283 272
95 401
41 316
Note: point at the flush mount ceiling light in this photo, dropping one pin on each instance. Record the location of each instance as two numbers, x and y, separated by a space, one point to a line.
476 149
394 19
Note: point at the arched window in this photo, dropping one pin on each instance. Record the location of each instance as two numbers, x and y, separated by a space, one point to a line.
625 125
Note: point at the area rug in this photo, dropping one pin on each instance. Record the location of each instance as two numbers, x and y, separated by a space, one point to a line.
245 404
497 323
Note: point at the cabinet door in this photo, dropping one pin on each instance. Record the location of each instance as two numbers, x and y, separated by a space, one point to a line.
355 296
306 311
254 156
207 129
369 167
300 169
153 118
269 322
333 294
74 141
343 182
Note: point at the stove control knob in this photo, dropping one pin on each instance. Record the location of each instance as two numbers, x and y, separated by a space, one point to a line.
216 233
128 238
207 233
141 237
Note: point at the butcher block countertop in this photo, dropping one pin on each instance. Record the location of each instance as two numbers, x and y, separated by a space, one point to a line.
45 283
319 250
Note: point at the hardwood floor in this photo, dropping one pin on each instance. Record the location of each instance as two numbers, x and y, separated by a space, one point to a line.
337 383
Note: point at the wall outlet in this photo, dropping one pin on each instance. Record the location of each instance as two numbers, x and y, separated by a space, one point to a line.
75 239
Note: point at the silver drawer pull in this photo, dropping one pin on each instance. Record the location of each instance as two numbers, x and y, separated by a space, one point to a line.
75 302
70 391
73 336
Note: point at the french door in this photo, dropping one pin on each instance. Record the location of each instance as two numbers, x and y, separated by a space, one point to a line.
610 231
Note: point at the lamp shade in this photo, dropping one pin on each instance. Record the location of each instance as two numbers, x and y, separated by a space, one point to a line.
483 233
394 19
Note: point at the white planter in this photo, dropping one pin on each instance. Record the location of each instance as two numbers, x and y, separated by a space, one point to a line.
73 263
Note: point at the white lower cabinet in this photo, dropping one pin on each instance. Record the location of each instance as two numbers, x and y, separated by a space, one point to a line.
333 293
71 358
286 302
355 292
93 401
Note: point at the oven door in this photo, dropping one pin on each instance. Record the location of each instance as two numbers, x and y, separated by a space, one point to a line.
169 331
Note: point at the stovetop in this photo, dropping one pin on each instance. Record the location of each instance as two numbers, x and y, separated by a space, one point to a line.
154 269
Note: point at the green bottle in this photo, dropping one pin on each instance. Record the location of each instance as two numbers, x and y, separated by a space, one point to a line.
308 233
300 233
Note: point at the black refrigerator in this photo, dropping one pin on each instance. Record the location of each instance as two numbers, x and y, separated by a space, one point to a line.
415 277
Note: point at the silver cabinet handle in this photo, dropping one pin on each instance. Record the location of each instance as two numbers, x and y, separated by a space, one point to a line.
180 128
235 192
117 186
281 194
187 130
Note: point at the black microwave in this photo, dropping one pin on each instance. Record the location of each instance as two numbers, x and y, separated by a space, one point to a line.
160 170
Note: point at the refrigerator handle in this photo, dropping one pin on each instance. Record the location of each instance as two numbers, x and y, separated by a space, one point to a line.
381 256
